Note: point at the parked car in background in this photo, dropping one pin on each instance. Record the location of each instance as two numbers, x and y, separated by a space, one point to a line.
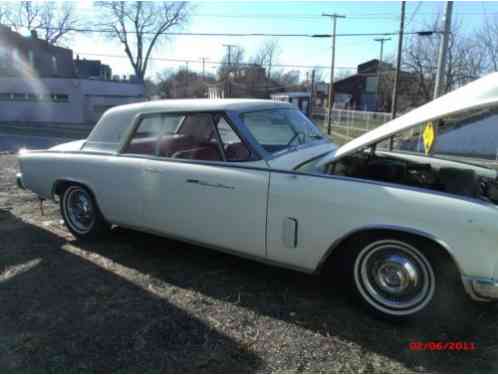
258 179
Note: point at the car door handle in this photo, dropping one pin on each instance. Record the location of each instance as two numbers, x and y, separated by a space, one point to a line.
204 183
152 170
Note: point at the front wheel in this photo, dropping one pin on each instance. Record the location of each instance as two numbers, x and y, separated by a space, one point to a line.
81 214
393 278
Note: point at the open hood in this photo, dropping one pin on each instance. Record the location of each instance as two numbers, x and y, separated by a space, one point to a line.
477 94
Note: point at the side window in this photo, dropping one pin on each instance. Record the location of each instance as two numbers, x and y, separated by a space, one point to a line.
150 128
235 149
195 139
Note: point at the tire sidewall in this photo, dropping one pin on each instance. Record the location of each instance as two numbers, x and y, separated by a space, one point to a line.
369 302
97 223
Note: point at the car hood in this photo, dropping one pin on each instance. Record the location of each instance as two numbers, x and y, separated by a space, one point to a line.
480 93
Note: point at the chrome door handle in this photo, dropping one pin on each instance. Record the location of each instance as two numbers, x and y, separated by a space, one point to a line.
152 170
204 183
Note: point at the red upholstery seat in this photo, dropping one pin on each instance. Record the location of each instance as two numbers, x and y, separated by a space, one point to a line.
204 152
145 146
237 152
174 143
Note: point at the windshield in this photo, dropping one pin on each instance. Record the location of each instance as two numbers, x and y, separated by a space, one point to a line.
279 129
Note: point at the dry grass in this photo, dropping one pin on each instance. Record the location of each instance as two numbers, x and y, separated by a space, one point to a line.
138 303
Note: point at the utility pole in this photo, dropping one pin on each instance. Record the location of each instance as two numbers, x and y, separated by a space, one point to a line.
203 59
334 18
312 94
229 60
379 68
394 102
398 62
443 51
186 80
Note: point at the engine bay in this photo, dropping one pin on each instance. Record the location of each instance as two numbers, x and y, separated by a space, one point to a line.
420 171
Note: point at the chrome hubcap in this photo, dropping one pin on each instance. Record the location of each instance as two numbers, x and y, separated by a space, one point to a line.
79 209
394 277
396 274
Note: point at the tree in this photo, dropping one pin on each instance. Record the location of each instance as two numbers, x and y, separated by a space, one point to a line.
232 64
487 38
52 20
140 25
267 55
183 83
465 62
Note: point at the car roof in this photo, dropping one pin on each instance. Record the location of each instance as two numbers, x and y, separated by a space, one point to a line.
113 125
173 105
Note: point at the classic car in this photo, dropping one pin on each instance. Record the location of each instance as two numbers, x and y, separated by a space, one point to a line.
257 178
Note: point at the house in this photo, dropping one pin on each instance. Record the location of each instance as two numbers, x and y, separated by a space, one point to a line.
362 91
42 84
92 69
361 88
34 54
300 99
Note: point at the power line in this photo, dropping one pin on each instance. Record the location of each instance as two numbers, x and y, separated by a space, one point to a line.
317 17
219 62
109 31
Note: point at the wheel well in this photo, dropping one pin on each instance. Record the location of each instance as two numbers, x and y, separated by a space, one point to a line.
431 247
61 185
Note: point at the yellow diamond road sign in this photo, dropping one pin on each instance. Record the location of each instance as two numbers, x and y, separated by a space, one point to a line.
429 136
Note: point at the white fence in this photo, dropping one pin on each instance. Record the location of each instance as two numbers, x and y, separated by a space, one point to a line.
350 124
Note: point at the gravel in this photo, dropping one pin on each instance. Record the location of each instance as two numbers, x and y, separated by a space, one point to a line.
139 303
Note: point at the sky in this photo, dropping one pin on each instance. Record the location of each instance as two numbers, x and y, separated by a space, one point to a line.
293 17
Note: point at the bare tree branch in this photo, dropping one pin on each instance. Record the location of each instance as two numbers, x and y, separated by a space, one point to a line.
53 20
267 55
147 21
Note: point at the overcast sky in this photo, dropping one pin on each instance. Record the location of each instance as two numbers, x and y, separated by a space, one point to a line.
283 17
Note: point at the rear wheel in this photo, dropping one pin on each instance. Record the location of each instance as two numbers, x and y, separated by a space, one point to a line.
81 213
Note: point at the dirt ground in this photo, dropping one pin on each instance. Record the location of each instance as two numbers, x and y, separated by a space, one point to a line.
139 303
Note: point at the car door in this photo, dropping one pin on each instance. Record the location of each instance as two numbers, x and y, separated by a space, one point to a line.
199 189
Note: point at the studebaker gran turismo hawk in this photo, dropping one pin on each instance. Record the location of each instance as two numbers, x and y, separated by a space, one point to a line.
258 179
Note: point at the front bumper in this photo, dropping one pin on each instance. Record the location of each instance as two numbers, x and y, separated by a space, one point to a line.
19 182
481 289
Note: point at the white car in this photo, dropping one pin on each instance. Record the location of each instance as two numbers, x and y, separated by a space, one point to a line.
256 178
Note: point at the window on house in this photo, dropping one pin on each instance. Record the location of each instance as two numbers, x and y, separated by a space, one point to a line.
4 58
54 65
63 98
31 57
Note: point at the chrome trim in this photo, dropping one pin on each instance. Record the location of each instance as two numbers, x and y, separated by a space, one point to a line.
484 289
19 182
284 171
236 127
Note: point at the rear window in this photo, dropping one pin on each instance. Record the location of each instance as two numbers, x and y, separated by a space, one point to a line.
109 132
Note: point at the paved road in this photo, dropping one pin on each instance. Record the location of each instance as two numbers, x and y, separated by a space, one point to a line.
14 142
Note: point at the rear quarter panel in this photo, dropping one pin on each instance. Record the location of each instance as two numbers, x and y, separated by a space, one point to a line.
116 182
